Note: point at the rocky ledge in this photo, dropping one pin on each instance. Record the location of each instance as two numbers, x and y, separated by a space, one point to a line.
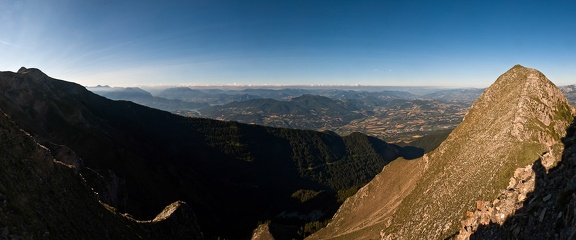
497 211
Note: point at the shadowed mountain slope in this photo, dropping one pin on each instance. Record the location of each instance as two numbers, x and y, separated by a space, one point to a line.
518 119
42 198
232 175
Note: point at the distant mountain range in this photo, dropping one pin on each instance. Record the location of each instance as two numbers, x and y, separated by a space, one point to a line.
389 115
140 96
570 93
224 96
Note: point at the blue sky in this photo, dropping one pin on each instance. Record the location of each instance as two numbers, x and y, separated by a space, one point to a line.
400 43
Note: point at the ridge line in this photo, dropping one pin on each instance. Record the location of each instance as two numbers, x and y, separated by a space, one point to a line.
518 123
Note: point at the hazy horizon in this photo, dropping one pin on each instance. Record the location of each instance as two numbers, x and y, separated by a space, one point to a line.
375 43
417 90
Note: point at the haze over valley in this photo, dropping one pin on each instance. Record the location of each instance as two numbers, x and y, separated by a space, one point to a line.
394 116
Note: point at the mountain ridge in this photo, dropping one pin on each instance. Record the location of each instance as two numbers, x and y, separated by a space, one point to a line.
514 122
154 158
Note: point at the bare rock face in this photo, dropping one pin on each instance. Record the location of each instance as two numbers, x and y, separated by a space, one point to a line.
177 219
62 153
498 211
518 120
544 209
262 232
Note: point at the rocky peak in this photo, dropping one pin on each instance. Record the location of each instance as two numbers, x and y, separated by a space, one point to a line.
536 107
32 72
29 89
22 70
519 119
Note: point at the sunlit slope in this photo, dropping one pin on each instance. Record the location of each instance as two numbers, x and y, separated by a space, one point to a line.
514 122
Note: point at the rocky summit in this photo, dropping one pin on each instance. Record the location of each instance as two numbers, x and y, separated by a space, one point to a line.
516 125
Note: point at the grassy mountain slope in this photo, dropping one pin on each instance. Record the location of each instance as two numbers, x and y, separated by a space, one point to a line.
232 175
430 141
514 122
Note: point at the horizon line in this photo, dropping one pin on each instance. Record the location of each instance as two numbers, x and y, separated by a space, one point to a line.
285 85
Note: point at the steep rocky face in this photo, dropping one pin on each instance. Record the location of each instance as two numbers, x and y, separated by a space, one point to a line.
546 212
512 198
521 118
42 198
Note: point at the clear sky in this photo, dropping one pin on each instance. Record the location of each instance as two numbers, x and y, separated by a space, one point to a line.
290 42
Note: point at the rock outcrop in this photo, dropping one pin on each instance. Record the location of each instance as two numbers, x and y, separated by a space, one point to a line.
520 119
508 202
262 232
546 212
